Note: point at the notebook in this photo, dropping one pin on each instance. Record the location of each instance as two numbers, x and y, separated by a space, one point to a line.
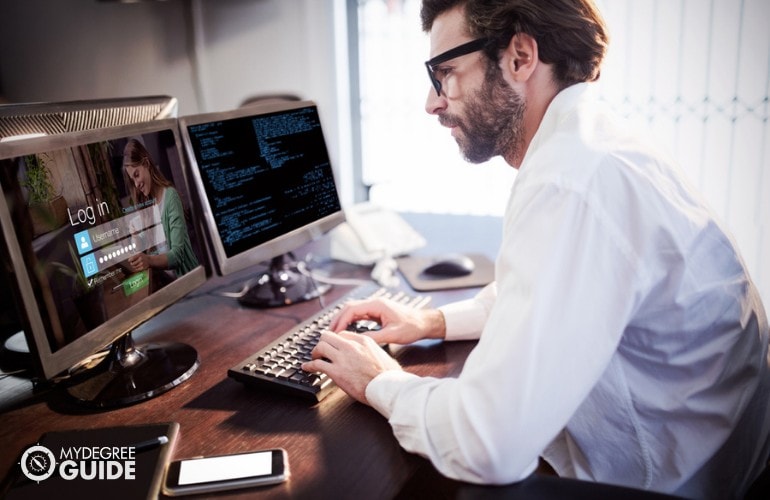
95 463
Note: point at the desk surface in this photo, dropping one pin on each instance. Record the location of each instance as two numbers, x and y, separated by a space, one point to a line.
335 444
337 448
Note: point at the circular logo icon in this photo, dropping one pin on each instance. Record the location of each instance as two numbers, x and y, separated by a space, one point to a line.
38 463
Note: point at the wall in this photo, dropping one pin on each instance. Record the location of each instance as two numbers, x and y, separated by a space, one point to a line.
209 54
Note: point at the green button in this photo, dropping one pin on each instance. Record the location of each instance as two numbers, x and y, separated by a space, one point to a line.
136 282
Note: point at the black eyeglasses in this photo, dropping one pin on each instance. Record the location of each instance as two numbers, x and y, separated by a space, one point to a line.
461 50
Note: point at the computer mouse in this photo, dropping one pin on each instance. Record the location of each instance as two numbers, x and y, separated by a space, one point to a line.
450 266
363 325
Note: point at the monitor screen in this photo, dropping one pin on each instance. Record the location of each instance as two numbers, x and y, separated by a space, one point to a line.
266 186
97 229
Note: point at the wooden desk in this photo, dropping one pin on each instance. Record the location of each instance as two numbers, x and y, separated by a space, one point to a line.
337 448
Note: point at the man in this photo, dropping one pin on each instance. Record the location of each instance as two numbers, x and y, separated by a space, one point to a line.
623 340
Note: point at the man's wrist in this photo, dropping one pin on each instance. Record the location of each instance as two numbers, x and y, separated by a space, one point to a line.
381 392
437 324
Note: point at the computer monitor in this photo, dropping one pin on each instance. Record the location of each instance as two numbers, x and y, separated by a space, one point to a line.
266 186
80 214
22 120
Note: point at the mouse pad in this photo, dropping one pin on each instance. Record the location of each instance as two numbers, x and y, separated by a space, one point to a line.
411 268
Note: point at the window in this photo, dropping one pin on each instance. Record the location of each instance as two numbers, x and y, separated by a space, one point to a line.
408 159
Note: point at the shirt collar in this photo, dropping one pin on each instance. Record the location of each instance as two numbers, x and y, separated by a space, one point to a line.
560 107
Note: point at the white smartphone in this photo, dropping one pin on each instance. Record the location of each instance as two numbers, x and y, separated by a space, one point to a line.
226 472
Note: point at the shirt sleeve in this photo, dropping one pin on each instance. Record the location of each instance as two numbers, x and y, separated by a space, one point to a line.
549 335
465 319
180 255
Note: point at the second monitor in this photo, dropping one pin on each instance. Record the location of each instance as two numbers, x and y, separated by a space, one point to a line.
266 187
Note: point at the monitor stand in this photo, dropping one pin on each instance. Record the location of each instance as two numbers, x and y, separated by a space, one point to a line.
131 373
282 284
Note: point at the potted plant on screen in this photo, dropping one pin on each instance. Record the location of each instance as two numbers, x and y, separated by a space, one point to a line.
47 207
88 298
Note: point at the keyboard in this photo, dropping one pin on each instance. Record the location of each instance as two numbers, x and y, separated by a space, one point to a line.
276 367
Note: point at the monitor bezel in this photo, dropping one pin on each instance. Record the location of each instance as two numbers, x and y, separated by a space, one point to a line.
50 363
280 245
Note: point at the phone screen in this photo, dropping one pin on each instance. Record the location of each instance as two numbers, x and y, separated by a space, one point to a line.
225 468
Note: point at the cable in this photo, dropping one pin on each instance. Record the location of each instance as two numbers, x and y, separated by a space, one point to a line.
243 291
302 268
15 372
384 272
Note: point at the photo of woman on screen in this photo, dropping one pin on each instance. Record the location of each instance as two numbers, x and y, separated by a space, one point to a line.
146 185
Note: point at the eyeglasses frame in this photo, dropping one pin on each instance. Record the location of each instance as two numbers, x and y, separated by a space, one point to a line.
461 50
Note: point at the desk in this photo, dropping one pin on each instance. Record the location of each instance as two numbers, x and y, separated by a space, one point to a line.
337 448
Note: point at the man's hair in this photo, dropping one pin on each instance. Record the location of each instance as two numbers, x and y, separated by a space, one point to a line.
570 34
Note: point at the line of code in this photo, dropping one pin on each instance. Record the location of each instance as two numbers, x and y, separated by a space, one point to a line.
264 175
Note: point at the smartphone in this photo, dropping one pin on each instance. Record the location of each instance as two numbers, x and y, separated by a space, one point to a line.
225 472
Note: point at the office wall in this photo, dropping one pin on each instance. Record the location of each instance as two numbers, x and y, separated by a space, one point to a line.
210 54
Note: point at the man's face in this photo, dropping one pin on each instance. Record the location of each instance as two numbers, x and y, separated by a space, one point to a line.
483 111
492 122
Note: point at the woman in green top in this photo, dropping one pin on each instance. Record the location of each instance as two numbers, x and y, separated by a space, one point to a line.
145 183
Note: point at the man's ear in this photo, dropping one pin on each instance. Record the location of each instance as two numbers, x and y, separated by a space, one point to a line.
520 57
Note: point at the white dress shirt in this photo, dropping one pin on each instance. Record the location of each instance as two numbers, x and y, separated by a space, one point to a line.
622 340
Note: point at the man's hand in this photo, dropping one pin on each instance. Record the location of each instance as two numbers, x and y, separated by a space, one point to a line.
351 360
400 324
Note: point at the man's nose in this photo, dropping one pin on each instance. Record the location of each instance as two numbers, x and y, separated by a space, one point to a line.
435 103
